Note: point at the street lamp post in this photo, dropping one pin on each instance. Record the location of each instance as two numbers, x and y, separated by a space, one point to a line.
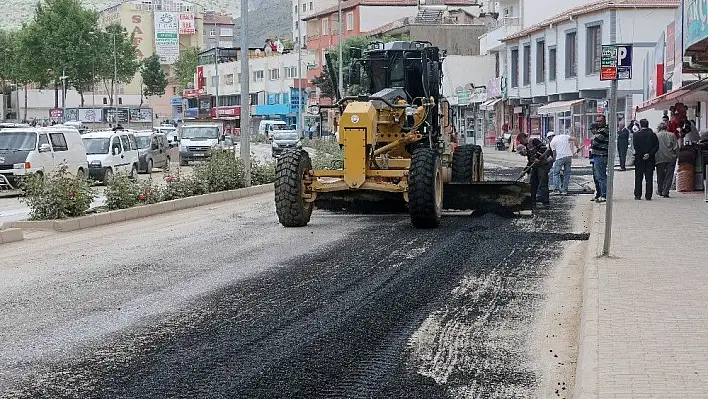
341 78
245 98
115 81
63 95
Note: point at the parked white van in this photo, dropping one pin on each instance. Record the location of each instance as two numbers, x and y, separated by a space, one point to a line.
196 139
39 150
267 127
110 152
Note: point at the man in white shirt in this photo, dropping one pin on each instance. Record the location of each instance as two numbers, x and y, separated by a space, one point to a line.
562 146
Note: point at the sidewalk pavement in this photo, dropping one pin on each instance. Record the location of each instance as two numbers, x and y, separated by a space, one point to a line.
644 327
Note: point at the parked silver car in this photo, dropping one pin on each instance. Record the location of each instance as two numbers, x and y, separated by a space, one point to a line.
152 151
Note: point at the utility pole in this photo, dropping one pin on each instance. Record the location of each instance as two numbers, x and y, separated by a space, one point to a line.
341 78
610 168
115 81
300 122
63 96
216 67
245 98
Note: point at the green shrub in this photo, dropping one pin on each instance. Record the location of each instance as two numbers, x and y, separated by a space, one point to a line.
262 172
221 171
57 195
150 193
122 192
325 153
179 186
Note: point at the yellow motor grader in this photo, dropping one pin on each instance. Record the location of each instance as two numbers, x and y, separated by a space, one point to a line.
397 146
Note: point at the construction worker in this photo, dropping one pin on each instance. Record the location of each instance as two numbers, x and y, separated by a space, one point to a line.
539 161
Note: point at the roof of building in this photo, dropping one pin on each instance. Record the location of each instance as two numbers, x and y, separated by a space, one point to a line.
410 21
355 3
590 8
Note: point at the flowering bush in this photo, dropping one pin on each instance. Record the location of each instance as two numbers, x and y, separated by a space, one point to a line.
122 192
57 195
262 172
221 171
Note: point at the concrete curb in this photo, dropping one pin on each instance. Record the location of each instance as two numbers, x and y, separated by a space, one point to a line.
586 373
11 235
121 215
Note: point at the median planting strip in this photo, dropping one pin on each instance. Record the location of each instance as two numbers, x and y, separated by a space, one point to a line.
121 215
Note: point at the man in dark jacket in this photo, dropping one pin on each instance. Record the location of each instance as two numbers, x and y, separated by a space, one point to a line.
538 155
600 147
646 145
623 145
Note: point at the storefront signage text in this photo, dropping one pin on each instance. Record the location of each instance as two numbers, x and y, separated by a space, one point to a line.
616 62
695 22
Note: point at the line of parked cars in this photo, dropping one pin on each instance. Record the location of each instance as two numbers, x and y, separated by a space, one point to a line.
98 155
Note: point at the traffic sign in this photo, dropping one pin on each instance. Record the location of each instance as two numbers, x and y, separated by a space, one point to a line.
616 62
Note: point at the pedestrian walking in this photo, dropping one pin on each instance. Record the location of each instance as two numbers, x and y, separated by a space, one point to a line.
538 155
665 160
600 148
646 145
562 147
623 145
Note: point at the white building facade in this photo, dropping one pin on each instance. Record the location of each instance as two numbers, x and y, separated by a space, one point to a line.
306 9
551 69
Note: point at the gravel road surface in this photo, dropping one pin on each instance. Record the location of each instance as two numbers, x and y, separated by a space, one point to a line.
222 302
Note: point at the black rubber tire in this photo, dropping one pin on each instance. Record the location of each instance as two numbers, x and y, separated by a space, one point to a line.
80 174
291 207
133 172
107 176
466 163
425 189
150 166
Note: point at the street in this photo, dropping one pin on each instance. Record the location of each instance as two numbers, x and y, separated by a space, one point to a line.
221 301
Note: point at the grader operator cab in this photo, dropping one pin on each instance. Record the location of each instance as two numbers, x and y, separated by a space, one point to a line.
397 146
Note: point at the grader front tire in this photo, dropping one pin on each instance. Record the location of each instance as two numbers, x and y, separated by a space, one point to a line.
467 164
425 189
290 170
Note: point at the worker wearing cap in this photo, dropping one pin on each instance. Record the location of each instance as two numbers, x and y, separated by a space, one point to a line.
539 160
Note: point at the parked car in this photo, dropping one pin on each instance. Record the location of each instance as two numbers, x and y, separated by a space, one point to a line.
110 152
283 140
39 150
267 127
170 132
152 151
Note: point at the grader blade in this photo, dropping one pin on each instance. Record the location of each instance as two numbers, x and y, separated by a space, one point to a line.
501 197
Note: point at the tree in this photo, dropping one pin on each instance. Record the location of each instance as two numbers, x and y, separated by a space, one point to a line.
324 82
153 77
186 67
118 58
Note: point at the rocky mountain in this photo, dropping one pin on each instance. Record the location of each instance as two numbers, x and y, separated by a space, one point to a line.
271 19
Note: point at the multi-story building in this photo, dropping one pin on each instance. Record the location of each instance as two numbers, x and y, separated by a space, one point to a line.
162 27
306 9
274 86
551 69
218 30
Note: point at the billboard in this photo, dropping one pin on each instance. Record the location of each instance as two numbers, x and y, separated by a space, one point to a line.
90 115
186 23
141 115
167 37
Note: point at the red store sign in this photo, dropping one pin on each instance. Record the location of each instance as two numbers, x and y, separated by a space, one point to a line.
234 110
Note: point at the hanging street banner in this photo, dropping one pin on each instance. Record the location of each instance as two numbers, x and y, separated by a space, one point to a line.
616 62
167 37
186 23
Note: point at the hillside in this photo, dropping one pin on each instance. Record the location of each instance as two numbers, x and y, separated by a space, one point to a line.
272 19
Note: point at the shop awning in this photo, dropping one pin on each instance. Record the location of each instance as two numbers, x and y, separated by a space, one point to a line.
558 106
489 104
691 93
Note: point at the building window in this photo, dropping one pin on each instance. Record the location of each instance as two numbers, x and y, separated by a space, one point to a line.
527 65
350 21
515 68
312 6
304 8
229 79
212 32
174 90
324 56
497 65
226 32
290 72
594 49
325 27
540 61
571 55
258 76
552 64
214 80
274 74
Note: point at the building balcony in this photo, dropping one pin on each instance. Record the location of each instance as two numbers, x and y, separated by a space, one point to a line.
492 40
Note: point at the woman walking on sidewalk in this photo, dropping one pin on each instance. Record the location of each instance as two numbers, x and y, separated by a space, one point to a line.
665 160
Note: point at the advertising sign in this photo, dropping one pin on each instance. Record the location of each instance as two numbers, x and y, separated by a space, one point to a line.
167 37
670 47
494 87
120 117
200 77
186 23
695 26
72 114
616 62
90 115
141 115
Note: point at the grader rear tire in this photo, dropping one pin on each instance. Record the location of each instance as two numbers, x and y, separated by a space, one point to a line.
425 189
291 207
467 164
